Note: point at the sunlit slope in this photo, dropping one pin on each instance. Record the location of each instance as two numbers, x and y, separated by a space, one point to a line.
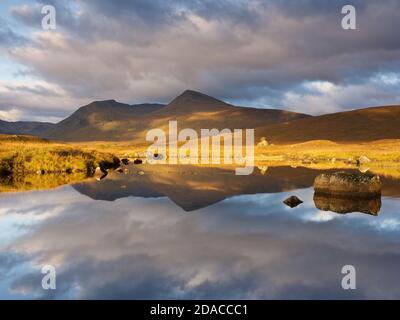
368 124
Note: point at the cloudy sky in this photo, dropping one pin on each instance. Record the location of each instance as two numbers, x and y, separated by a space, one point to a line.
290 54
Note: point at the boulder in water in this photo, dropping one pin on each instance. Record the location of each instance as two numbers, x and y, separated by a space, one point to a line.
292 201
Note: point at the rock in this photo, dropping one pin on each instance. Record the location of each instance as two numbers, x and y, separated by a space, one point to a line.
263 169
363 160
126 171
125 161
69 170
140 172
292 201
155 156
120 170
347 204
263 142
41 171
138 161
351 161
100 173
348 184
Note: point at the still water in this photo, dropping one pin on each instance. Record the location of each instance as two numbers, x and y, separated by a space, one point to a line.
198 233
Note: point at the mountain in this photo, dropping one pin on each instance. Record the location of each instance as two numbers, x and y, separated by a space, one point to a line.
367 124
24 127
99 120
113 121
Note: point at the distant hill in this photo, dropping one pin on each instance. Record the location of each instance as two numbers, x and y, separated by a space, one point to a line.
113 121
21 138
368 124
99 120
24 127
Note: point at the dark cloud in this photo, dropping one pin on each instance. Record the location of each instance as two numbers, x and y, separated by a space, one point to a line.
248 52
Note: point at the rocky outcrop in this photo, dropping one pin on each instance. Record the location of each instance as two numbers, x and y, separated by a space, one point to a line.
348 185
292 201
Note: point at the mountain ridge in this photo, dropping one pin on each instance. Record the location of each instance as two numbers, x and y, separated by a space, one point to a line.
109 120
113 121
359 125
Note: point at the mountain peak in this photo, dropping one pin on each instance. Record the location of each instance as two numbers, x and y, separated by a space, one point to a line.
194 95
194 99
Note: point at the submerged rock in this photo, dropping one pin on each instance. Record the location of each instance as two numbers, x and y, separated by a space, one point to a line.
344 205
292 201
348 184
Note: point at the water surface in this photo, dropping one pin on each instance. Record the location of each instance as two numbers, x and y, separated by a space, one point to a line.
202 233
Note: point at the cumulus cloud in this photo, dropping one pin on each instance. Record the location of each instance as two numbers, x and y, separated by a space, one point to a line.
257 53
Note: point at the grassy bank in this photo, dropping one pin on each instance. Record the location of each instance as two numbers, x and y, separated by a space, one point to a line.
22 155
382 151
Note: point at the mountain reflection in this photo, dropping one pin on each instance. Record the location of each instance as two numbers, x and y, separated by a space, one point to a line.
193 187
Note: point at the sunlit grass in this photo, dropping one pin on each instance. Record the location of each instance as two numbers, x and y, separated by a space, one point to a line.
25 155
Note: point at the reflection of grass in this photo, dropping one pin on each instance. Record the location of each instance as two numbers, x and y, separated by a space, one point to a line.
24 155
38 182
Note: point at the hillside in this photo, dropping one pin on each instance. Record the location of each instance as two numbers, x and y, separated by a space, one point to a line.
98 120
24 127
368 124
113 121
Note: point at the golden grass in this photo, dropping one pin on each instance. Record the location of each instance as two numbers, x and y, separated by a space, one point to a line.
23 155
382 151
20 156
